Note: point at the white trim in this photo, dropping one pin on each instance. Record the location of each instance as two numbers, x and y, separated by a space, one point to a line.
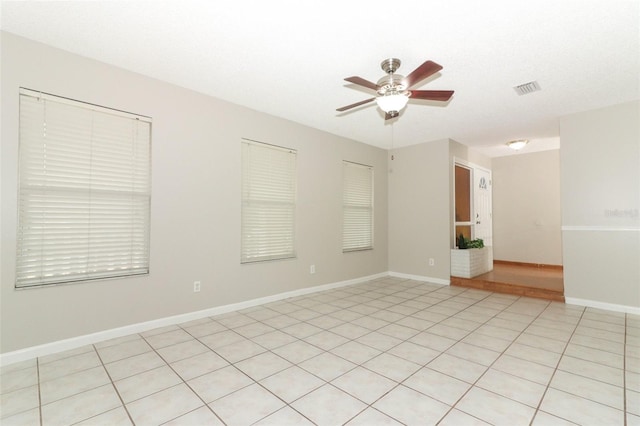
602 305
602 228
88 339
420 278
468 164
68 101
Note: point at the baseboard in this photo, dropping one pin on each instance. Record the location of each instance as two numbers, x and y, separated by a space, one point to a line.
88 339
529 265
602 305
419 278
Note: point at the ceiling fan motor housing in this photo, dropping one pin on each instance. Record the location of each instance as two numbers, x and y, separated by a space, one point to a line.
390 65
391 84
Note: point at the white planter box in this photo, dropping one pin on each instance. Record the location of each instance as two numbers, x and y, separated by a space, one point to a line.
469 263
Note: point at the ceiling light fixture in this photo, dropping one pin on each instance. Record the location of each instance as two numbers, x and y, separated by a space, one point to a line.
517 144
392 103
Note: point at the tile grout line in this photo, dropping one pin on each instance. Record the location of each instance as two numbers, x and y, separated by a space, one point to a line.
557 363
487 368
153 349
361 365
624 347
367 405
398 384
407 340
624 372
474 384
113 384
555 370
592 362
39 391
477 301
452 407
232 364
38 382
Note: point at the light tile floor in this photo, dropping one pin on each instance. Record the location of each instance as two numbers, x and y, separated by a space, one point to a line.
386 352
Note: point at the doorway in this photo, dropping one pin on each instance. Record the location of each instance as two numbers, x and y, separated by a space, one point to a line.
473 198
472 203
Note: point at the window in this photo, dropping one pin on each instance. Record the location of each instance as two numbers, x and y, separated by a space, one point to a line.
84 192
357 207
268 202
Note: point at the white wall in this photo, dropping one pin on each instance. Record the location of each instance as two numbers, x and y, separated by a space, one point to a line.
419 215
526 208
600 187
195 217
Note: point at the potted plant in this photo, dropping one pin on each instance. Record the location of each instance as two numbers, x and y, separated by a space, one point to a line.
465 243
471 258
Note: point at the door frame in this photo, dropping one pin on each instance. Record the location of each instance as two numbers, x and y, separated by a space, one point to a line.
472 167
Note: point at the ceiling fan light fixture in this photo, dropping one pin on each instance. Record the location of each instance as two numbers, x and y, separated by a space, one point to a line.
394 90
517 144
393 102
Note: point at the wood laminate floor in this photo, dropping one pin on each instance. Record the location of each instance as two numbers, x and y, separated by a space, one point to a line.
519 279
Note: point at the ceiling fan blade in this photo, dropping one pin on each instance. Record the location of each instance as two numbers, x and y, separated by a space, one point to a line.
432 95
362 82
423 71
344 108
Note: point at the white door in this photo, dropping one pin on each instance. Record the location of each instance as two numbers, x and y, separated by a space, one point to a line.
482 205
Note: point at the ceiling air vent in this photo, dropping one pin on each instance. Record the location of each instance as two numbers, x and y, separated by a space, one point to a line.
526 88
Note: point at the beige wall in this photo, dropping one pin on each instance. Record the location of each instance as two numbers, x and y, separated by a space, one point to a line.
419 212
600 188
526 208
421 206
196 204
195 217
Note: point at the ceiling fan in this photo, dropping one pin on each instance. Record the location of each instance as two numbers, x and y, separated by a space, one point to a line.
394 89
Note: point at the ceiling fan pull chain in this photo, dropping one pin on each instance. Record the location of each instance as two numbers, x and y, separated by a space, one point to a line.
392 140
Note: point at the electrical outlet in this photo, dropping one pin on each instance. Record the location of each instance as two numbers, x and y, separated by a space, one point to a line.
196 286
432 261
312 269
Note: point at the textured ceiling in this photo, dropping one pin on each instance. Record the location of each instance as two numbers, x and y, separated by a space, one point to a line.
289 58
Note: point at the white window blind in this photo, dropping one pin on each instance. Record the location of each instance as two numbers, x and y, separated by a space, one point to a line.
268 202
84 192
357 210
